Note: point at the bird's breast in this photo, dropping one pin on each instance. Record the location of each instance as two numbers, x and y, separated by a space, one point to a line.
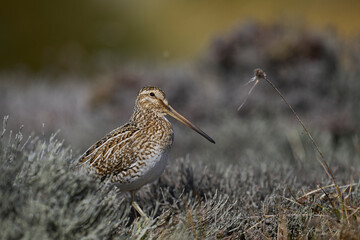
157 138
151 153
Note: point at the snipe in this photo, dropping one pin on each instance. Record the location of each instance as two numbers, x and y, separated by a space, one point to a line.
137 153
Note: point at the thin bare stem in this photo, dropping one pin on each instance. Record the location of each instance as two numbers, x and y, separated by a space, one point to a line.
326 187
256 81
260 74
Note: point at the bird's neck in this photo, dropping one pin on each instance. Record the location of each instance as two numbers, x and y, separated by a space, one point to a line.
144 117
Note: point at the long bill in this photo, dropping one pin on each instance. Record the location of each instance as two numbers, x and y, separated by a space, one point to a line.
186 122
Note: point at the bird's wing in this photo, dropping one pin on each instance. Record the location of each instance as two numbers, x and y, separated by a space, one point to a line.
113 153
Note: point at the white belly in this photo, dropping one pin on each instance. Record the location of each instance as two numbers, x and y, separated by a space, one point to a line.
147 173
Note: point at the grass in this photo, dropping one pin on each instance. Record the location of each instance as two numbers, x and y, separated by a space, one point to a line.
45 197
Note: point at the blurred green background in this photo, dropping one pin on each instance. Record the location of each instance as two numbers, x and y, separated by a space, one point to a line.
74 34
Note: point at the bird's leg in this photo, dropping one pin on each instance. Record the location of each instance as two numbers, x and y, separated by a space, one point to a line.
136 206
132 196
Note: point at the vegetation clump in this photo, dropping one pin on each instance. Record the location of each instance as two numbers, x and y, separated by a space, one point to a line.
44 196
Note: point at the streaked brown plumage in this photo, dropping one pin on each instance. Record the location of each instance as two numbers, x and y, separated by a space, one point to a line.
136 153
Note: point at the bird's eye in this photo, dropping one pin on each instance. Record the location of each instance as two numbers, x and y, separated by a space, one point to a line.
152 94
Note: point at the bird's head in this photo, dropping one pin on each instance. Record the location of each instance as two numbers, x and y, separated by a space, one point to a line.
153 99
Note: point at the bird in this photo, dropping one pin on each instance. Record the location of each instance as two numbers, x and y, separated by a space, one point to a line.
136 153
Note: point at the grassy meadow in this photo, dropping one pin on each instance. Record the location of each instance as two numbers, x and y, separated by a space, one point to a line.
261 180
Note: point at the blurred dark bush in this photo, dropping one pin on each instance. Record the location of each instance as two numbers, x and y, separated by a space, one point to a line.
316 71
